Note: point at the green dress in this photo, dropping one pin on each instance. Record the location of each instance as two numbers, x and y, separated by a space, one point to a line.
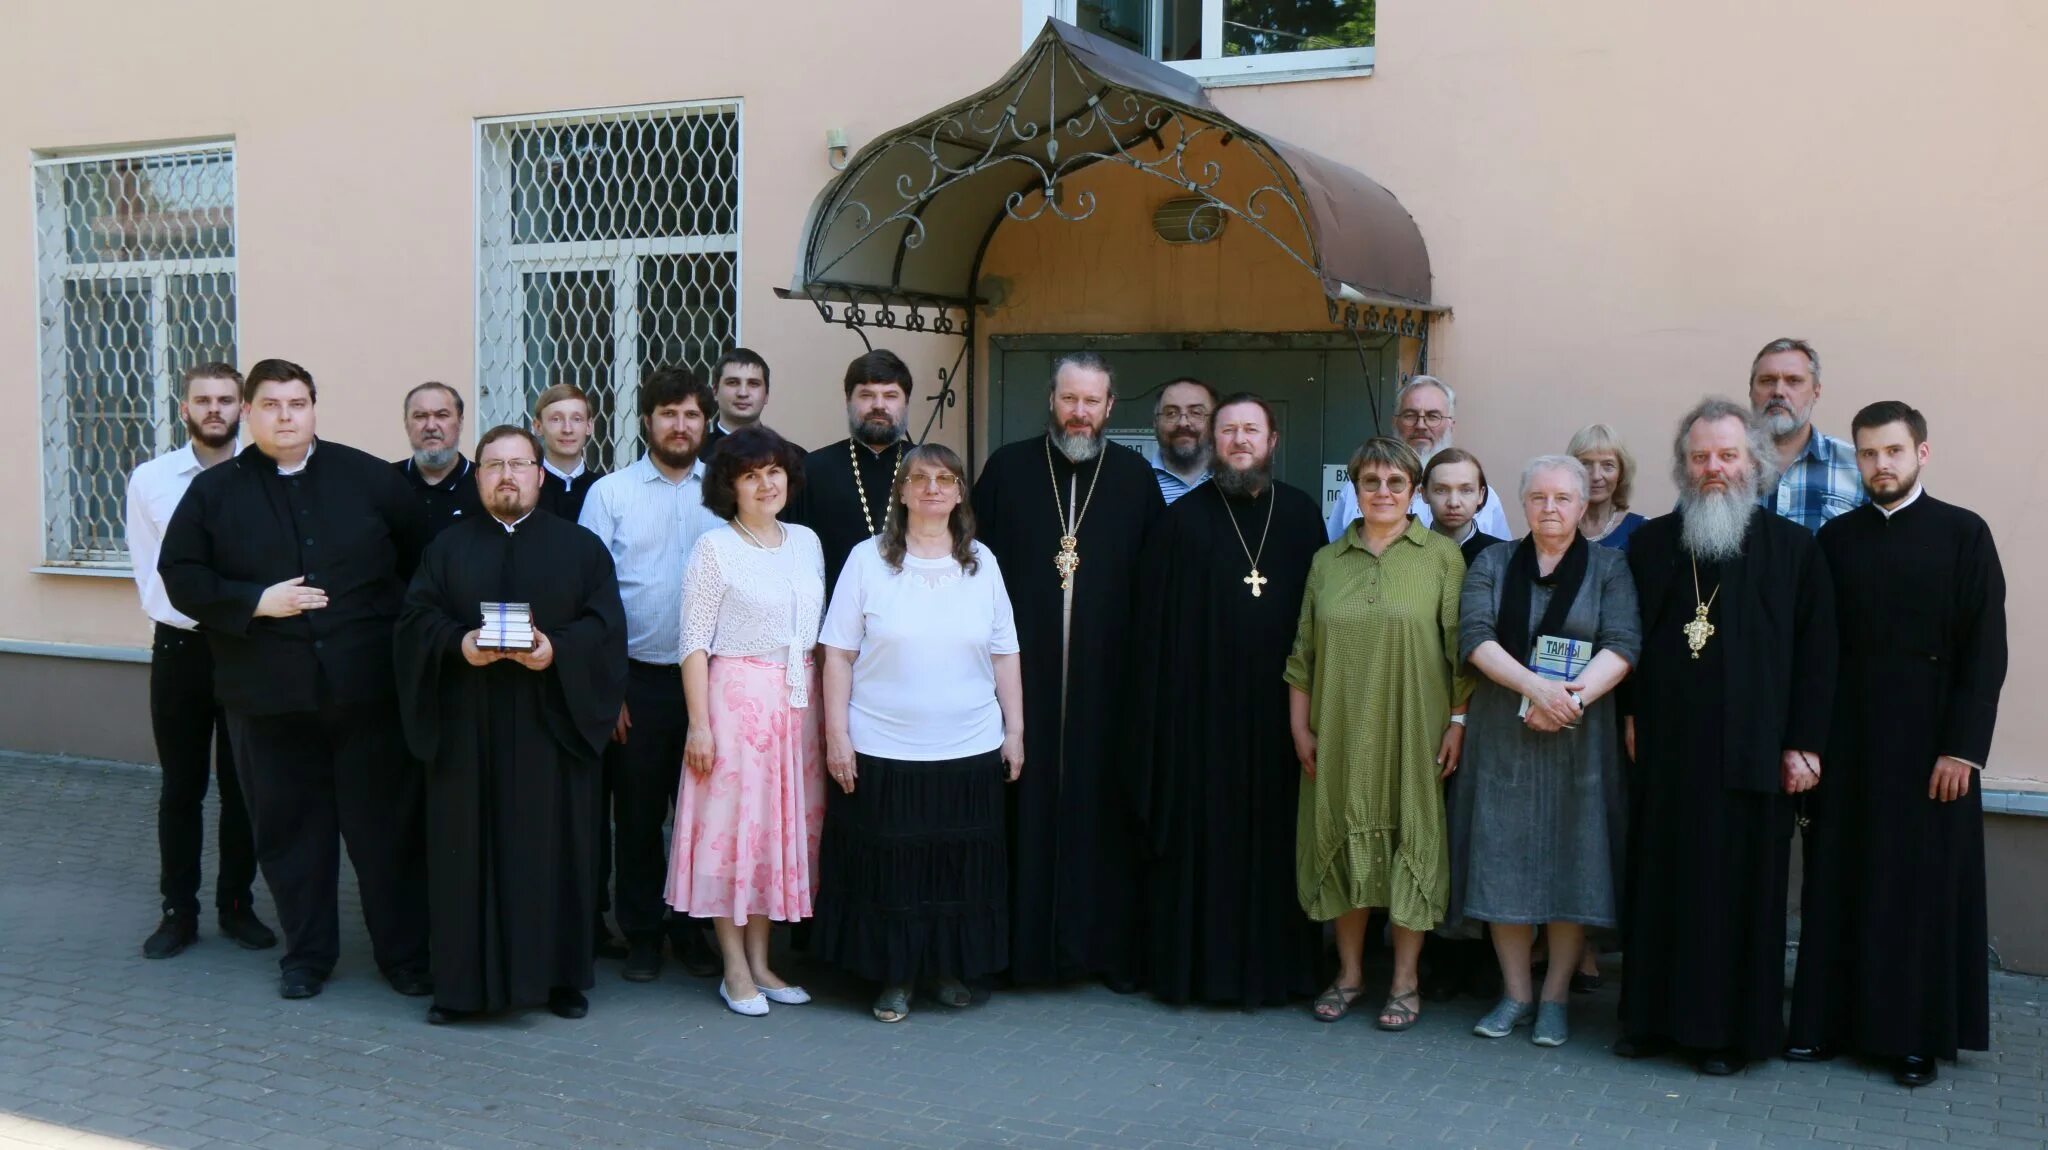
1377 653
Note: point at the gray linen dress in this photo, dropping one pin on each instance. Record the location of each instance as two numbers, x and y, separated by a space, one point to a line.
1536 820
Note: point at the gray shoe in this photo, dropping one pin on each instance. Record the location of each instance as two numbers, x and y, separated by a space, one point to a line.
1551 1027
1504 1017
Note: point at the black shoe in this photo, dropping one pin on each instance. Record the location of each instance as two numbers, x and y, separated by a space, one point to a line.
174 932
1818 1052
602 944
1721 1063
411 981
241 924
698 959
1583 983
568 1002
438 1015
1913 1070
643 960
301 984
1646 1047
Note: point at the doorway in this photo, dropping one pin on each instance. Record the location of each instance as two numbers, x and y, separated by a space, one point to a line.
1323 396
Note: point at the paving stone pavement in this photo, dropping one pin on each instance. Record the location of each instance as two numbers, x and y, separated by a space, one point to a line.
101 1048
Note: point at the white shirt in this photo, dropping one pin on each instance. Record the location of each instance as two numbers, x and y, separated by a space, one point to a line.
746 602
649 524
1491 519
925 637
568 478
153 494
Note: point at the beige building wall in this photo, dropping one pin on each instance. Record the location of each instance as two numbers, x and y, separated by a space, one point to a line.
1621 201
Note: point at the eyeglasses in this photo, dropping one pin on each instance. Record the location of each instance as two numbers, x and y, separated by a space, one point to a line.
517 466
1395 484
1429 419
943 481
1183 414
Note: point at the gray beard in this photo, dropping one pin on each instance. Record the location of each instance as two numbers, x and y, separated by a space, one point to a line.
1715 523
1078 448
1247 484
1782 424
1191 459
435 458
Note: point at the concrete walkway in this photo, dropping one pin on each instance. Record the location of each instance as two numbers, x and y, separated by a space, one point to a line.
100 1048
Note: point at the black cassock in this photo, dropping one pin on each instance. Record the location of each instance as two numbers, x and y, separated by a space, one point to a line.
1211 764
1710 826
830 504
512 755
1073 881
1892 944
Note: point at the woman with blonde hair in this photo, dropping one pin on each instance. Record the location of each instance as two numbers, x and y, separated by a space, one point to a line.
1611 479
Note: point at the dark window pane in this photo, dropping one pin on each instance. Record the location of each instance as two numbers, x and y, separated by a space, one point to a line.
568 328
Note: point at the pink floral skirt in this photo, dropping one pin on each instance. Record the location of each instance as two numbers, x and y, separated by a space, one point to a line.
746 834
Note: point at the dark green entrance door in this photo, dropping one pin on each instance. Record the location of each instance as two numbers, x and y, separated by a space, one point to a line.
1321 394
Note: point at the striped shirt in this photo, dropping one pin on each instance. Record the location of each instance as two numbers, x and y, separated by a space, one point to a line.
1821 483
649 524
1172 486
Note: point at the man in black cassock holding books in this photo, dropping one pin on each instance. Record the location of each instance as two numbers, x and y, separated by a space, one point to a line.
1211 762
1893 942
512 737
1727 717
1065 513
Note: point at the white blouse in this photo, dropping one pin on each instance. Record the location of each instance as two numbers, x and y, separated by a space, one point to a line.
743 601
925 637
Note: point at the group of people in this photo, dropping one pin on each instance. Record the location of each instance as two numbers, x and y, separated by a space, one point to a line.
1089 715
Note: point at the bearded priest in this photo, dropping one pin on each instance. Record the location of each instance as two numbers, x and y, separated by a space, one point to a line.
1727 717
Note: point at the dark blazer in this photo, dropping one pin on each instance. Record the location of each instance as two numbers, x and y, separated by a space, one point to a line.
566 499
349 523
1776 620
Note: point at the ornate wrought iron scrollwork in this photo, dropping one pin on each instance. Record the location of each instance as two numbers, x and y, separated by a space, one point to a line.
1114 124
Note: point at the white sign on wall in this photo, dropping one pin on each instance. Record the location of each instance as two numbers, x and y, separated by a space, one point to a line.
1335 480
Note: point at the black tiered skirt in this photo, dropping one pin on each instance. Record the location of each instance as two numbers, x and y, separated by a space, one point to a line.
913 878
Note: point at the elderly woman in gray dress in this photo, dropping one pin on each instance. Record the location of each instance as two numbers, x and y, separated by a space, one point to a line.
1550 623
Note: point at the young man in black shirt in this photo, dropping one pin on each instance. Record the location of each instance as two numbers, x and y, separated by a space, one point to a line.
293 558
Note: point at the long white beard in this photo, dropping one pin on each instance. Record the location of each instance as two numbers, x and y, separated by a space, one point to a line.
1078 448
1714 523
1443 443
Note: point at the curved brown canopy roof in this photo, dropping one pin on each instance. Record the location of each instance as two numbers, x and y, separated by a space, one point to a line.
908 219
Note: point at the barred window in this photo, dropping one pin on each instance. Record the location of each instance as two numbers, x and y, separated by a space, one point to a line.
607 245
135 282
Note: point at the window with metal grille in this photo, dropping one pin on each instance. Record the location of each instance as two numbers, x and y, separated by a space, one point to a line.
608 244
135 259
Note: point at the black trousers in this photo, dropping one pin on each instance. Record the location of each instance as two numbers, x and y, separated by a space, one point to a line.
339 771
191 747
645 771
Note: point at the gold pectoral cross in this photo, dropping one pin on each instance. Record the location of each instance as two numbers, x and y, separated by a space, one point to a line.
1257 581
1067 561
1698 631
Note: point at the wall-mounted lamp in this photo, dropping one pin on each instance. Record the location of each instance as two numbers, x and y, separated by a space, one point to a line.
835 148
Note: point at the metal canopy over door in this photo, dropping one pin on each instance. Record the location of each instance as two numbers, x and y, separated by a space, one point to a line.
1323 396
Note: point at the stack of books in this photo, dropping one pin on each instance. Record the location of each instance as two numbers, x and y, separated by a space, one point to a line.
507 627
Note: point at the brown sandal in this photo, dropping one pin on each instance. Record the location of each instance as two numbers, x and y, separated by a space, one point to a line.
1403 1016
1335 1003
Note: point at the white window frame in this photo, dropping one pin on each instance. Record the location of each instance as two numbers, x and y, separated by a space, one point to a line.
621 258
1214 69
59 550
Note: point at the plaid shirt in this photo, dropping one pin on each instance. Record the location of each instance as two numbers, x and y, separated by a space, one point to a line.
1820 484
